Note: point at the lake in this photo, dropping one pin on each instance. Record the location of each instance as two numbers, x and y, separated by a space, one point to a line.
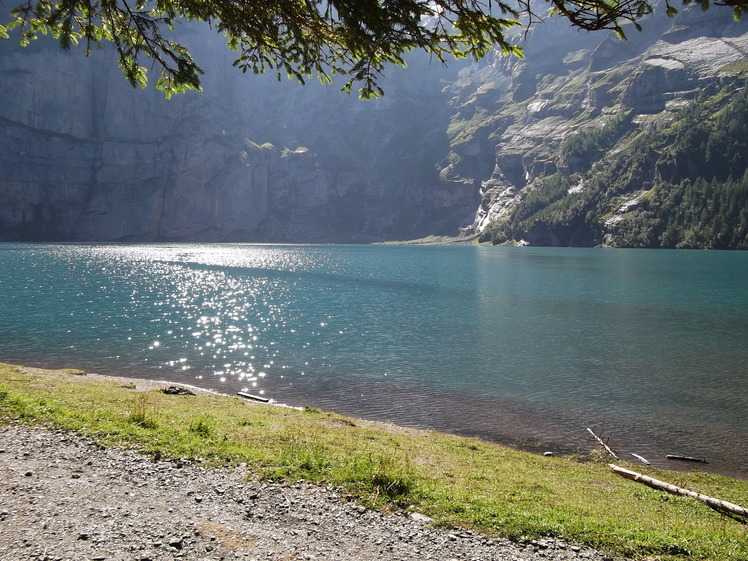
528 346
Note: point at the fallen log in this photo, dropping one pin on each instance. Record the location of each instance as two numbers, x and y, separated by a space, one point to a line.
716 504
600 441
686 458
246 395
642 459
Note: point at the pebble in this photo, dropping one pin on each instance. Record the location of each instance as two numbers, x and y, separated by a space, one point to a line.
133 507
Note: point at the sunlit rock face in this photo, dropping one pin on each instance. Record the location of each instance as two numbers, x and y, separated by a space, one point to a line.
522 111
83 156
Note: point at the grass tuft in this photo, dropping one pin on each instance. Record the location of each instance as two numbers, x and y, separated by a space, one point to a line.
74 371
202 426
140 414
391 478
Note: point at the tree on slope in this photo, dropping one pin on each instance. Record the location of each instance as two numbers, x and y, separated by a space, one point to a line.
307 38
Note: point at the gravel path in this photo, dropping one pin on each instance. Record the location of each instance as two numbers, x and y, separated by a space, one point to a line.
63 497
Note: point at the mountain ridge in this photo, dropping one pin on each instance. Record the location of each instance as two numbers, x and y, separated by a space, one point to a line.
460 151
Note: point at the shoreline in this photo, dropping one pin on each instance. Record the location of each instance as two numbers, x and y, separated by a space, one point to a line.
437 240
147 384
536 444
447 482
441 330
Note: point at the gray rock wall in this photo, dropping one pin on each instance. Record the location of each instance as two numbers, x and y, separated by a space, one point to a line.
83 156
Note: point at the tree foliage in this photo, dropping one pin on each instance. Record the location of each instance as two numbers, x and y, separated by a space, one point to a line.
306 38
701 200
582 149
696 214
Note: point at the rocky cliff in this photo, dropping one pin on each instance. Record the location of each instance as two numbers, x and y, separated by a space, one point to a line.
85 157
477 149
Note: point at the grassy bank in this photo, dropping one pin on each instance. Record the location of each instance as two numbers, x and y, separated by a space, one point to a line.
457 481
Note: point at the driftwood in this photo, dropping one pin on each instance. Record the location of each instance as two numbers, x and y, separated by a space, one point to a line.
642 459
686 458
246 395
600 441
716 504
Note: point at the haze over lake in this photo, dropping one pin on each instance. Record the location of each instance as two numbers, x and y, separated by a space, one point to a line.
528 345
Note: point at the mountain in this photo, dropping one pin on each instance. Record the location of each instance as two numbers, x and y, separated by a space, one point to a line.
642 143
588 140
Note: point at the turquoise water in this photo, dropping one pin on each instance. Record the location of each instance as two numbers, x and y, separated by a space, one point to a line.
530 345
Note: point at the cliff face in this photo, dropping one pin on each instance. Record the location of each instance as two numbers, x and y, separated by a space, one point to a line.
85 157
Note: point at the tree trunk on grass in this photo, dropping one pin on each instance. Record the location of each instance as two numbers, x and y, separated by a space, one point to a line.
716 504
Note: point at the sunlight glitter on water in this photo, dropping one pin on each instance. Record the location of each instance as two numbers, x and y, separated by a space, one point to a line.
233 314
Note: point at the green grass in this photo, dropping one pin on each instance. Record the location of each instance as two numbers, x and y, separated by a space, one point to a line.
457 481
736 67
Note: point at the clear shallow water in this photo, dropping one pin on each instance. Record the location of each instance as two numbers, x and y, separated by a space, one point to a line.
513 344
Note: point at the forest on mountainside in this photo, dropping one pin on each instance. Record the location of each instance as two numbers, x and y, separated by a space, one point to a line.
685 186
